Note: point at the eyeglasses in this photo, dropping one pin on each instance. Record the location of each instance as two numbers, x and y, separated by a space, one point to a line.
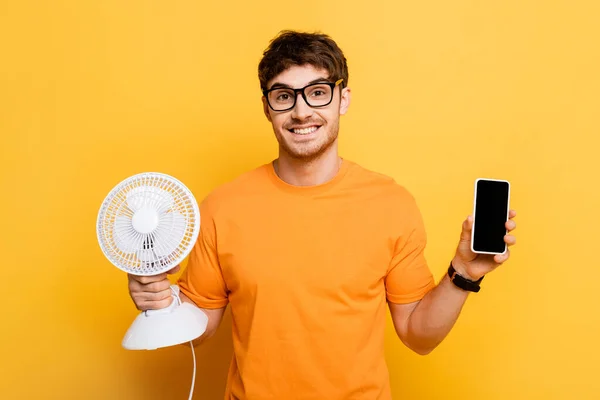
317 94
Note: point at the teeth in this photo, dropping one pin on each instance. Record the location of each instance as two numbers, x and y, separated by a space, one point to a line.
305 131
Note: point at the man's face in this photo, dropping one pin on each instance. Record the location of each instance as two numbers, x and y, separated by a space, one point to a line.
305 132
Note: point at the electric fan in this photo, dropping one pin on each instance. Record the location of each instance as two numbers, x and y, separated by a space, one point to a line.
147 225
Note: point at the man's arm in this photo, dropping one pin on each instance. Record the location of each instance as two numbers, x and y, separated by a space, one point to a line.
424 324
215 316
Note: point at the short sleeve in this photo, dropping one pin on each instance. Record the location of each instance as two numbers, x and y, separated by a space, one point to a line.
408 277
202 280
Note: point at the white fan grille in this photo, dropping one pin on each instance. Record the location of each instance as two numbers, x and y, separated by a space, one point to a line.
148 224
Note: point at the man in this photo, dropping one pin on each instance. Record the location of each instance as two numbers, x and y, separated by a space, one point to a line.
310 248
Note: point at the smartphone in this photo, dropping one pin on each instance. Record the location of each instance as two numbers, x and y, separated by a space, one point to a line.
490 213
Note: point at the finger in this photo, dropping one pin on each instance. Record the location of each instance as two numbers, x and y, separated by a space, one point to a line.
155 305
156 296
135 286
144 280
510 240
141 297
512 214
467 227
500 258
510 225
154 287
151 301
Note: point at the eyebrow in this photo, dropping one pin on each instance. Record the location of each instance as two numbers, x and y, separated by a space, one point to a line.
286 86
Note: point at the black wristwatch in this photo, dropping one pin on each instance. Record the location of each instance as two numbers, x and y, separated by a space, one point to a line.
462 282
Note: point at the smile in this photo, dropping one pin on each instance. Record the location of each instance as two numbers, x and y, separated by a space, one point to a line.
304 131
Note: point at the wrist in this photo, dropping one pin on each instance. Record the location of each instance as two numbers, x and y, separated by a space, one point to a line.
461 270
463 282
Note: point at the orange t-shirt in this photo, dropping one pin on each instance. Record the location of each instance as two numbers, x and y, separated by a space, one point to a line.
307 271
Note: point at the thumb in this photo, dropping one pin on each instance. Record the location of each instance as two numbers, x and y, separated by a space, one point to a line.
467 227
174 269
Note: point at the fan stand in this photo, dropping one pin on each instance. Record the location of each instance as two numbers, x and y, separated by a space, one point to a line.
176 324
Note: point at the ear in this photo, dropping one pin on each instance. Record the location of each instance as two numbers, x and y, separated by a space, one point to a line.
266 108
345 100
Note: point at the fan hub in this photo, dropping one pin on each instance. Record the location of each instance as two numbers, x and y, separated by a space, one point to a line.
145 220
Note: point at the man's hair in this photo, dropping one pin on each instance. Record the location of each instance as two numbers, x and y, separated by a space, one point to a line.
291 48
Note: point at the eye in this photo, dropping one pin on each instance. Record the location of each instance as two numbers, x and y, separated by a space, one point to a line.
282 96
319 91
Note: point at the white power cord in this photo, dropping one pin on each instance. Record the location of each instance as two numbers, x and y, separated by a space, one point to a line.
194 375
175 293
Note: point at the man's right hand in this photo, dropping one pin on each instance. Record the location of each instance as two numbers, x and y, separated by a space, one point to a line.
151 292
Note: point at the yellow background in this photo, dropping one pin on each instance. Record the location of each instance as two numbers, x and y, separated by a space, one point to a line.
443 92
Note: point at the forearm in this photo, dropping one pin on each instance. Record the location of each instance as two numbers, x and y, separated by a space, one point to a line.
435 315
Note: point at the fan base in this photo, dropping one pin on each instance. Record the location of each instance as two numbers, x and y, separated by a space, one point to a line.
171 326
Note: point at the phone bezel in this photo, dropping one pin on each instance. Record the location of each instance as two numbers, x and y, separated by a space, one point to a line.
475 217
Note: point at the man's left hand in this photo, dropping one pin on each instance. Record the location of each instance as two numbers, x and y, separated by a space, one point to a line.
472 265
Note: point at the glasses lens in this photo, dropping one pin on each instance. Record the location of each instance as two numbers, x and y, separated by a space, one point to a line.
318 94
281 99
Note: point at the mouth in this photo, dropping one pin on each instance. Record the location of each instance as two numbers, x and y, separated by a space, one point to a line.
304 131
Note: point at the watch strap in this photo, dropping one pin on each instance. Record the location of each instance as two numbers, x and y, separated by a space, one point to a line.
462 282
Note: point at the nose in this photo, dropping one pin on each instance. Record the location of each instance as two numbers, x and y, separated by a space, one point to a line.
301 110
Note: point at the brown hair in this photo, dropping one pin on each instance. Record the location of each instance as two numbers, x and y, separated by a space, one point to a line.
291 48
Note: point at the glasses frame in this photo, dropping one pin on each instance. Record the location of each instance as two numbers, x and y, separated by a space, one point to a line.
332 85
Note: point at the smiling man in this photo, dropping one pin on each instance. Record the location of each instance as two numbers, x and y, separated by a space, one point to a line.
310 250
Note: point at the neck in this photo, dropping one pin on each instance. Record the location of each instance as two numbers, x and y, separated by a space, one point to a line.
299 172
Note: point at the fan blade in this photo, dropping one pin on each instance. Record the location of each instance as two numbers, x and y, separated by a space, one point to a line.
146 253
147 256
169 233
151 196
135 199
124 235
